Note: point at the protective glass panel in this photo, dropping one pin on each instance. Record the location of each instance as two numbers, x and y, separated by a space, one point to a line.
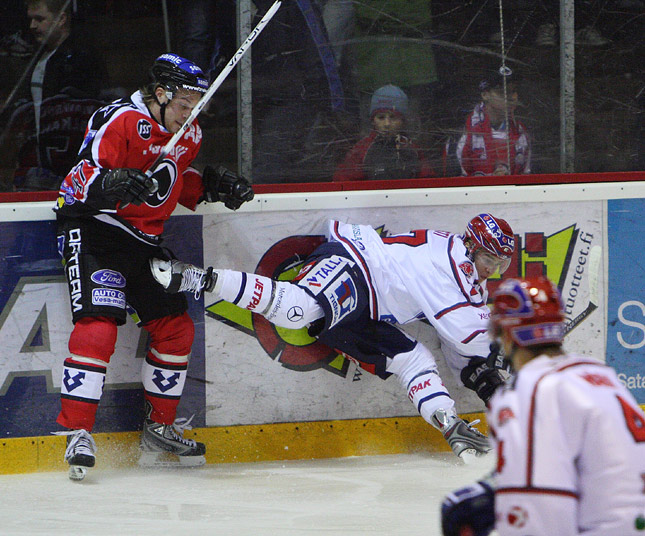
340 89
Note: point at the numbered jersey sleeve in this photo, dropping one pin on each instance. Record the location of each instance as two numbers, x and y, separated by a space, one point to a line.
124 135
570 443
421 274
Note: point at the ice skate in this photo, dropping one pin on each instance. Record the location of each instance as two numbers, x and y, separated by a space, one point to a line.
164 445
177 276
79 453
465 441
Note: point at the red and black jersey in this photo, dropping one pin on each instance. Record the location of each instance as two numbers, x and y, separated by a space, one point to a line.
124 135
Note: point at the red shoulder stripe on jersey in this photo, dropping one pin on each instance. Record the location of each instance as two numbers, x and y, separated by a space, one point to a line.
366 270
539 491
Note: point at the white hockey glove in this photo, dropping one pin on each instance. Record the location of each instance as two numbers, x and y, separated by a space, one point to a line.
223 185
472 507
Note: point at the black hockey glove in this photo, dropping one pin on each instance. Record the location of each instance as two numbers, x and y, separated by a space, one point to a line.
128 186
497 358
470 507
223 185
482 379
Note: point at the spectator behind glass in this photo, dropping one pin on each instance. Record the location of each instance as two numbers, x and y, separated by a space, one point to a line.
53 102
483 148
387 152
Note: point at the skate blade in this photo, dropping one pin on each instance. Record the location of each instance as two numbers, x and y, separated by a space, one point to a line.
166 459
77 472
469 456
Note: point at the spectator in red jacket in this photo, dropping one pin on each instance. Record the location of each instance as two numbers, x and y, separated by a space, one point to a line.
387 152
494 142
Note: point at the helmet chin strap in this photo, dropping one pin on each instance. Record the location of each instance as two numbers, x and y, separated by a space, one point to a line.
162 107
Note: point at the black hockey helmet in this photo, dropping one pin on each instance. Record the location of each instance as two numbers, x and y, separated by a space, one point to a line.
173 72
496 78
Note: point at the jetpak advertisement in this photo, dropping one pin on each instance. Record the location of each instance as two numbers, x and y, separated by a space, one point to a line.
244 370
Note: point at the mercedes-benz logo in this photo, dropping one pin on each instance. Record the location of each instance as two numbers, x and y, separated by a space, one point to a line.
295 313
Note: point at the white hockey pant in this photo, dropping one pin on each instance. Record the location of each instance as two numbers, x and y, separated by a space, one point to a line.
281 302
417 372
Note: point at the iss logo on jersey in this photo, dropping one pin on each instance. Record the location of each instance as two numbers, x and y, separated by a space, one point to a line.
144 128
342 297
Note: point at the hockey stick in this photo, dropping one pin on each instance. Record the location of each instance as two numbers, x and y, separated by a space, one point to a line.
215 86
594 274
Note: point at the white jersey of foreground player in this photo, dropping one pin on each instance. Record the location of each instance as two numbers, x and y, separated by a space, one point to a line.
578 443
423 273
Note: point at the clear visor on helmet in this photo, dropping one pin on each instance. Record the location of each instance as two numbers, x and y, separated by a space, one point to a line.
494 263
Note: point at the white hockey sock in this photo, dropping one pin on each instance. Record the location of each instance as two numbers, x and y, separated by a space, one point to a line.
417 373
249 291
281 302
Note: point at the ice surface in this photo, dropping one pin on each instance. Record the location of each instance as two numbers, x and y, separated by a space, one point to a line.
394 495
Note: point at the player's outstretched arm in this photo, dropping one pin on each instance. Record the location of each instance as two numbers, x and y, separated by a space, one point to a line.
469 511
221 184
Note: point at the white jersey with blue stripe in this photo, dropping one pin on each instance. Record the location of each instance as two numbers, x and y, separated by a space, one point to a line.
423 273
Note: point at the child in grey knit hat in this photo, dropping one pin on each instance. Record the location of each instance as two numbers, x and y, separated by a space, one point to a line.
387 152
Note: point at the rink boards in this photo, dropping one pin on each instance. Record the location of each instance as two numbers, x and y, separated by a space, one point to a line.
264 393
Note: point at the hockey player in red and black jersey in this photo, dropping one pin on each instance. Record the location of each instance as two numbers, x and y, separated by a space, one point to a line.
110 218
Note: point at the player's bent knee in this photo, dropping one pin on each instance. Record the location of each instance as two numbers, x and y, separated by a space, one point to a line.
407 365
94 337
172 335
292 307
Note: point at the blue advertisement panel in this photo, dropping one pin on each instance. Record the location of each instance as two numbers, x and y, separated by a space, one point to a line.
35 323
626 302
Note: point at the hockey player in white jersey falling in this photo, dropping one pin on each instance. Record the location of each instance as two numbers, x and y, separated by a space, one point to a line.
355 288
570 437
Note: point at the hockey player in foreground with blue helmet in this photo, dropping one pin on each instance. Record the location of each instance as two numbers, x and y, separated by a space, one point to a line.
355 289
110 218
